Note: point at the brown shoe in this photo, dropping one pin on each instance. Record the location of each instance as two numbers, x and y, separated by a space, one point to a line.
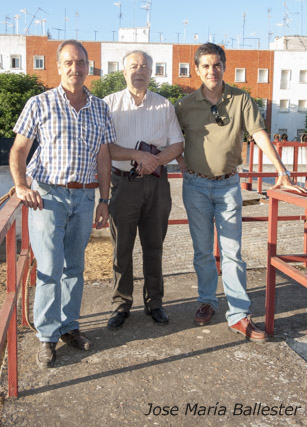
247 328
76 339
46 355
203 314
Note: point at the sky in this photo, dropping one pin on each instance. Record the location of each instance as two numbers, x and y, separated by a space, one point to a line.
236 24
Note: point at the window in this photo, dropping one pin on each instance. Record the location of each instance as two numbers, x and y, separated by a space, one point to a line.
263 75
285 79
184 70
281 131
303 76
91 68
38 62
15 61
302 104
284 106
240 75
263 107
160 69
112 67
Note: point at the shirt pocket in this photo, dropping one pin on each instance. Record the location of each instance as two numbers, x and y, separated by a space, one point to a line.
92 136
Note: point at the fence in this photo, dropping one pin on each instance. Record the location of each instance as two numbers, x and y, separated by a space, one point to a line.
18 267
260 175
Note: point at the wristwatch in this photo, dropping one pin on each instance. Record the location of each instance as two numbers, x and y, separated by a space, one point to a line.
106 201
284 173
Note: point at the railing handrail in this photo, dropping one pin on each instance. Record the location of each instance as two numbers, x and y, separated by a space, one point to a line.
17 270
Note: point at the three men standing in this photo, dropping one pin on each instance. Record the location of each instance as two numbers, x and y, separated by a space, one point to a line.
140 201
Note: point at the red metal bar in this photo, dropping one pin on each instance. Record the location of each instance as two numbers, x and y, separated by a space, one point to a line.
295 163
217 252
251 160
11 279
289 270
271 271
280 262
260 167
25 244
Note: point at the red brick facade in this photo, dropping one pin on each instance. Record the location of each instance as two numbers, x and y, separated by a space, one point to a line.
38 45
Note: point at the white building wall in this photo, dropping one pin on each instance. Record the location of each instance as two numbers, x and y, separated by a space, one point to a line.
292 120
160 53
12 44
135 35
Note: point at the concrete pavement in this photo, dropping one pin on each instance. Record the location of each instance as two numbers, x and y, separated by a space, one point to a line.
176 375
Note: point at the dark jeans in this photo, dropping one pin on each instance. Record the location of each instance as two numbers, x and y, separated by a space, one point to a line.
142 204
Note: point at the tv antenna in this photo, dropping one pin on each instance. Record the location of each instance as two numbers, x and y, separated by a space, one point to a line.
33 18
6 23
147 7
185 23
119 5
58 30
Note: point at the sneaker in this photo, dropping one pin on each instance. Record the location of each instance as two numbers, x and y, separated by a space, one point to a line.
203 314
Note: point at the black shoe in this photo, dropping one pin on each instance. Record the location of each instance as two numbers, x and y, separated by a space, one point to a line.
159 315
117 319
46 355
77 339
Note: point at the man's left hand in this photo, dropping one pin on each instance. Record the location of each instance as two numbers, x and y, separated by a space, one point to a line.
285 182
102 215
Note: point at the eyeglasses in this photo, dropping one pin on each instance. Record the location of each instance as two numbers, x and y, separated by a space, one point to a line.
217 116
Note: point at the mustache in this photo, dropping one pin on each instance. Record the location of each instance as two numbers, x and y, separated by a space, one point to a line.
74 74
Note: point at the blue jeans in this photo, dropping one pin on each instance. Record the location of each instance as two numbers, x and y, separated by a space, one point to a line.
59 234
206 200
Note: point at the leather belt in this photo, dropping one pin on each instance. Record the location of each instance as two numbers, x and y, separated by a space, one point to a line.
119 172
79 185
213 178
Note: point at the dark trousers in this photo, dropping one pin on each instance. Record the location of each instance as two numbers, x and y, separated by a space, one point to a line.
143 204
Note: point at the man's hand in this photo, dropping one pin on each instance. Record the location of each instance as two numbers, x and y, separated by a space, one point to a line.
147 162
285 182
30 198
181 163
102 215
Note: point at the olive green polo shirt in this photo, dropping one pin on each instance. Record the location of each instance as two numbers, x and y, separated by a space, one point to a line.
215 150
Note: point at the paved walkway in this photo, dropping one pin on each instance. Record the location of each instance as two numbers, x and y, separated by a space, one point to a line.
180 374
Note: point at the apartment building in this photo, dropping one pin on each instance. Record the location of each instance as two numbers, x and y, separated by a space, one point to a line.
277 76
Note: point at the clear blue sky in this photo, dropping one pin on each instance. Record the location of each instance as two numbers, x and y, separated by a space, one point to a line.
223 21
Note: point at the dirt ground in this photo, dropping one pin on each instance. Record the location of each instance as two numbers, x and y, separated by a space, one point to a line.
98 263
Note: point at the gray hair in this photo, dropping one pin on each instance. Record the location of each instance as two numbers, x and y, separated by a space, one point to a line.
139 52
70 42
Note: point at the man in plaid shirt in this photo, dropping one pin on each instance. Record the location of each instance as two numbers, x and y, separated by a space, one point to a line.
73 129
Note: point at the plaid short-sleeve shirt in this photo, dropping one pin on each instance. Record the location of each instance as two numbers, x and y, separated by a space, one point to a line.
68 141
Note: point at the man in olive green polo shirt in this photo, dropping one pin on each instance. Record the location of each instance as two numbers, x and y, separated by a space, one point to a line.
214 119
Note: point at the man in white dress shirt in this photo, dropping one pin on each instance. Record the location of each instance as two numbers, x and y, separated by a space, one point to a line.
140 200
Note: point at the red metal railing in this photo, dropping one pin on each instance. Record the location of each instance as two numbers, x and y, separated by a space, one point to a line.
279 146
281 262
17 266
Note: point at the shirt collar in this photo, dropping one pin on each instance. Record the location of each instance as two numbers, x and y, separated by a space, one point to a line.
62 92
226 94
128 94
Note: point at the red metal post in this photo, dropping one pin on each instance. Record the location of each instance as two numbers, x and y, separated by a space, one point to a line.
217 252
295 163
11 274
25 243
260 167
271 271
